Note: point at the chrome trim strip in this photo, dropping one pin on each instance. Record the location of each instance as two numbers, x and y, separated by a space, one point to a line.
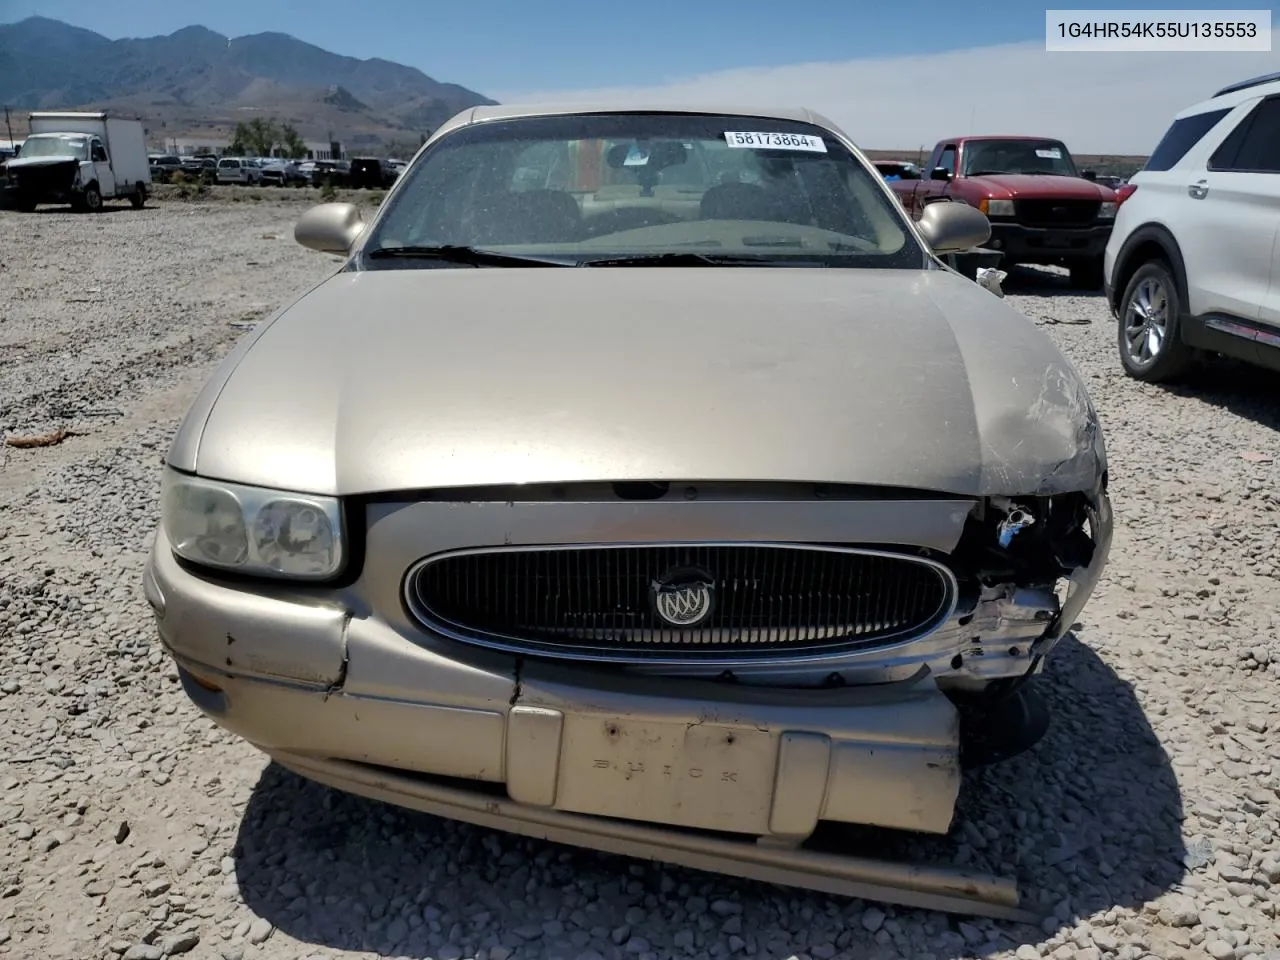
1244 331
520 647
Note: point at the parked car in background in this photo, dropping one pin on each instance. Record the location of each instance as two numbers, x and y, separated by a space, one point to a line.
283 173
164 166
1191 265
81 159
398 166
898 169
238 170
1042 209
8 151
665 623
336 172
371 173
202 168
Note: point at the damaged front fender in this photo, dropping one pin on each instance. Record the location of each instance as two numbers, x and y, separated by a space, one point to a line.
1043 442
1081 582
1038 431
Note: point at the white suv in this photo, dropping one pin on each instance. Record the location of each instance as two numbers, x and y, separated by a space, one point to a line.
1191 263
238 170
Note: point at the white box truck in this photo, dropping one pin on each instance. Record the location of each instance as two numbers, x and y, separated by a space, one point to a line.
81 159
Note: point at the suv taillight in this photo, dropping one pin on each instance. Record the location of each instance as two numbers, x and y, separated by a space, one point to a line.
1124 192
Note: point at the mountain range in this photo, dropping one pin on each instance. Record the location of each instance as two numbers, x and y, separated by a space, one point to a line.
197 84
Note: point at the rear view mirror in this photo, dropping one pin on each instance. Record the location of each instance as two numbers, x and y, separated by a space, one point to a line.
329 227
1090 174
642 154
940 173
950 227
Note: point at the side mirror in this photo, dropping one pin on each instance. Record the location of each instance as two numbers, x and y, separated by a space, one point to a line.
940 173
951 227
329 227
1090 174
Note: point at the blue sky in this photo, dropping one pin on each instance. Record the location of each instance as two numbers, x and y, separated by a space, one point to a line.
883 67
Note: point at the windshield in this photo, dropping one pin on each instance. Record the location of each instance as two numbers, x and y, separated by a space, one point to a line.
56 145
1044 157
601 186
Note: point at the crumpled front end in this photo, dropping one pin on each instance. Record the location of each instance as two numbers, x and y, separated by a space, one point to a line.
57 181
535 684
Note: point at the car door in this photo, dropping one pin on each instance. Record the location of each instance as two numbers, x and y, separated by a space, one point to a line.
102 168
1231 216
929 189
1252 154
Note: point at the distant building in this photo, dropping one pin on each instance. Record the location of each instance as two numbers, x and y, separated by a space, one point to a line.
185 147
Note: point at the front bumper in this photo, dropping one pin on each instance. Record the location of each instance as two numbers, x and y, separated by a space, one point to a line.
344 686
1048 244
18 195
913 885
684 752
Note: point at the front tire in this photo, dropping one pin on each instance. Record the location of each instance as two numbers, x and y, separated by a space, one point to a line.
1148 334
91 199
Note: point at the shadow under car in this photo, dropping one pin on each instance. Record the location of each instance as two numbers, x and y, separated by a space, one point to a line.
1089 817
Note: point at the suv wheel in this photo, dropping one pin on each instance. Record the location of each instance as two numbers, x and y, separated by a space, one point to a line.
1151 347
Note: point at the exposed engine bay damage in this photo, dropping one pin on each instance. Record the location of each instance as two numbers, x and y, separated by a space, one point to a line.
1033 563
1024 568
1055 544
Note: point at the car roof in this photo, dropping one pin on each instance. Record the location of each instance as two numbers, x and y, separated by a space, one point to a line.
1234 94
997 136
505 111
494 111
1264 80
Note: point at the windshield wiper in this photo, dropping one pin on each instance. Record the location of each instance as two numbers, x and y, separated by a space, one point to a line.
459 253
686 259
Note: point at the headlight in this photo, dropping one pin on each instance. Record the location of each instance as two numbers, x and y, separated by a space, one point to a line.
251 529
997 208
1107 211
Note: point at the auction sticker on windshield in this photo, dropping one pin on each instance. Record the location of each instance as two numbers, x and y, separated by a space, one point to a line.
776 141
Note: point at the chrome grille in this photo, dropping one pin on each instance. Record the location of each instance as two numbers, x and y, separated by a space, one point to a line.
1056 213
767 601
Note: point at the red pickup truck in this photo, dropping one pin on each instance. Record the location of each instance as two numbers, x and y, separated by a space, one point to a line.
1042 209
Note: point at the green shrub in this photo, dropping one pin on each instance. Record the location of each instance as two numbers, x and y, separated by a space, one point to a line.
327 193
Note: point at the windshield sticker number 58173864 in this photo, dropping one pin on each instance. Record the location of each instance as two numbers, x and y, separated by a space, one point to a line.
776 141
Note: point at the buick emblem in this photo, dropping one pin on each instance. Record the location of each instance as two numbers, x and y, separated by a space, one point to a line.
683 597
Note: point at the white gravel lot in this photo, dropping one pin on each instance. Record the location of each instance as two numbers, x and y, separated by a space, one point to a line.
1144 824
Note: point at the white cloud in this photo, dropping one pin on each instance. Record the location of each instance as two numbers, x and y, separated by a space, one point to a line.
1096 102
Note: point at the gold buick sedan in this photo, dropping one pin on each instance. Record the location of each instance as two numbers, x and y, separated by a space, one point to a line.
713 541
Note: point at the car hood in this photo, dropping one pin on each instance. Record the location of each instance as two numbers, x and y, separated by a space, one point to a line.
408 379
1030 186
21 163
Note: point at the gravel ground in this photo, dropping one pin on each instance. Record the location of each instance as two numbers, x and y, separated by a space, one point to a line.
1144 824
